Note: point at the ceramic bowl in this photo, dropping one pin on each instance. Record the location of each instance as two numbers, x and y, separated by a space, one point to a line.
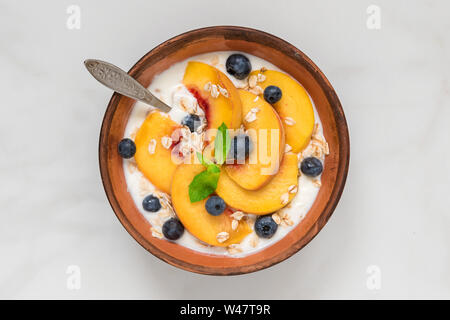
286 57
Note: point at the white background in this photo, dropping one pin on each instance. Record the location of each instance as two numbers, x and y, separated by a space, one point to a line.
394 86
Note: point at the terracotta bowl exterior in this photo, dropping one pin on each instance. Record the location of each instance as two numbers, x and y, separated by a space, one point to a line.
287 58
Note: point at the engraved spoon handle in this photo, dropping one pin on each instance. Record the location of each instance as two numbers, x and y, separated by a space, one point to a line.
115 78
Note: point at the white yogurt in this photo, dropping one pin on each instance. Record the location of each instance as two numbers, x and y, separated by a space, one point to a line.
168 87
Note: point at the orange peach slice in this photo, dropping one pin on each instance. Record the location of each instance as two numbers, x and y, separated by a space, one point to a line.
152 158
215 93
194 215
295 108
268 144
270 198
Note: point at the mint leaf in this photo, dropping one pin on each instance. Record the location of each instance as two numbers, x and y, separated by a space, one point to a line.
204 161
210 166
222 143
213 168
204 183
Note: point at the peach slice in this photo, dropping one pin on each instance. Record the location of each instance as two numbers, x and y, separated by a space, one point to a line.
199 78
194 215
158 166
261 165
270 198
294 105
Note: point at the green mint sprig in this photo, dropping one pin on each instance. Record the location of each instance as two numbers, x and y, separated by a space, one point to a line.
222 144
205 183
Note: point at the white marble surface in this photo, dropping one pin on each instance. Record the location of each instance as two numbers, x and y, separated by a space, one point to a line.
393 83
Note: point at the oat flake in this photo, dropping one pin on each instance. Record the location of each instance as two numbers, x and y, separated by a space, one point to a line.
166 142
237 215
276 218
252 80
292 189
156 233
287 148
214 91
289 121
222 236
223 91
261 77
152 146
284 198
250 117
234 248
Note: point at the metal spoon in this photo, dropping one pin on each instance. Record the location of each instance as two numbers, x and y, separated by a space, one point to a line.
115 78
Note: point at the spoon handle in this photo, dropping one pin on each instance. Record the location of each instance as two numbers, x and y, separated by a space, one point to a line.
118 80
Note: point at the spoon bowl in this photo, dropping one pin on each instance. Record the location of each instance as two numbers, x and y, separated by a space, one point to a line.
118 80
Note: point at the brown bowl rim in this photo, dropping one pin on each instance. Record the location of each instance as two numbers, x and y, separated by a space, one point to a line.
343 165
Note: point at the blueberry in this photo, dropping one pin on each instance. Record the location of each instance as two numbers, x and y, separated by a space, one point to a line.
215 205
311 167
240 147
151 203
173 229
192 121
127 148
272 94
265 226
238 66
